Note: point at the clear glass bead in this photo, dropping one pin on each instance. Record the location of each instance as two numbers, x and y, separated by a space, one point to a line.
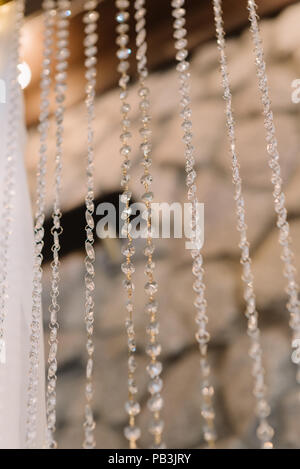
155 403
151 288
124 53
132 408
156 427
154 369
132 433
155 386
264 431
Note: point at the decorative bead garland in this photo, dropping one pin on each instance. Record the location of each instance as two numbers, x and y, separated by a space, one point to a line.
287 256
90 44
132 407
49 14
9 169
202 336
264 431
153 348
63 13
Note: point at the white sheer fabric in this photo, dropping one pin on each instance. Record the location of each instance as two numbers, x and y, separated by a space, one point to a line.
14 372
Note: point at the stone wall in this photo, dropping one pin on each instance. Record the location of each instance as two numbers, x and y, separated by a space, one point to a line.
229 344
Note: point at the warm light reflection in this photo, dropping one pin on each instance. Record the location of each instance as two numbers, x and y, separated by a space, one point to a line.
24 77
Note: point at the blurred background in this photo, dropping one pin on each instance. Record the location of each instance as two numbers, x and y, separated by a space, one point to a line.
231 374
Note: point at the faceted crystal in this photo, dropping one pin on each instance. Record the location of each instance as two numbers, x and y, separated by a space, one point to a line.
123 54
132 433
155 403
154 369
155 386
132 408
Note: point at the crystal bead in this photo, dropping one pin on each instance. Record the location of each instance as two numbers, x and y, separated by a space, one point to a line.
144 105
151 288
89 368
156 427
90 51
90 347
122 28
149 269
148 197
127 268
122 4
122 17
128 285
178 12
125 108
154 369
208 391
91 39
263 409
126 229
123 54
210 435
179 23
155 403
149 249
52 369
208 414
151 307
131 364
146 119
146 148
264 431
131 345
140 38
122 40
132 433
182 67
153 350
155 386
123 66
132 387
90 62
91 17
180 44
153 328
177 3
132 408
125 197
180 33
202 337
127 250
146 179
125 150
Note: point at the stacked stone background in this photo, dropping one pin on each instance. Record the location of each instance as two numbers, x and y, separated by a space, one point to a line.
230 364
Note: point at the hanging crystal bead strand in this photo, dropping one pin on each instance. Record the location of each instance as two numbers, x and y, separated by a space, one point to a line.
9 169
287 256
32 409
264 431
132 407
153 349
90 44
202 335
62 25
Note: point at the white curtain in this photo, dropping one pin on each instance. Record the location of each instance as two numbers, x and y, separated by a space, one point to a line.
14 372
